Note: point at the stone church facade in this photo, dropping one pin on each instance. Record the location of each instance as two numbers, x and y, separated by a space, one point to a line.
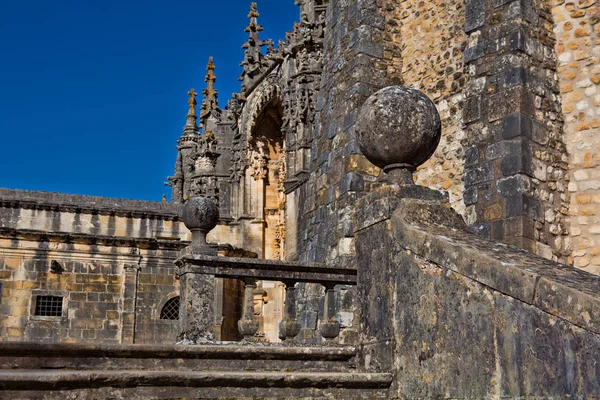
515 83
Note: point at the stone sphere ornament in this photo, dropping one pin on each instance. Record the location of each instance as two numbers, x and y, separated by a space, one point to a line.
399 128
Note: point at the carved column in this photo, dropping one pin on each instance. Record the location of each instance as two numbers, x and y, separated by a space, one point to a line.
329 327
290 327
128 302
249 324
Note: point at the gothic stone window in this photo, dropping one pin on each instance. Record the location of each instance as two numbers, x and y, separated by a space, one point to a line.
170 310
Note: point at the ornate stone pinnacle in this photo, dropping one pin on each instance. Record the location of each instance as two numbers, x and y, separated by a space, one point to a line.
210 103
254 61
210 93
399 128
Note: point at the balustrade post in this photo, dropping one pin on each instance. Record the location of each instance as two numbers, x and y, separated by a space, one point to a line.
196 313
329 327
249 324
290 327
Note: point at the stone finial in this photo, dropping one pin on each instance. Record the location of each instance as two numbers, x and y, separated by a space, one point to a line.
200 216
253 11
399 129
192 102
190 127
210 104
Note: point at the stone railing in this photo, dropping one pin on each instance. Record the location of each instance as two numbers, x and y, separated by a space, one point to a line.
290 273
199 265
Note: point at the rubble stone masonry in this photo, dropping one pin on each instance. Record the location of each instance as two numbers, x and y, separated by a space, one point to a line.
430 39
577 31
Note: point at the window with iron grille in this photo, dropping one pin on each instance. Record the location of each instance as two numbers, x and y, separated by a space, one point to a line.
48 306
170 309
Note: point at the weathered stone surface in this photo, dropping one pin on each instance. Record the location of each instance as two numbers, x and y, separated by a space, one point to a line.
28 356
191 385
398 127
513 93
469 318
196 310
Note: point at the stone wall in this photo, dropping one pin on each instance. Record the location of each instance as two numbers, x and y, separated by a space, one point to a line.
354 67
110 260
577 32
515 157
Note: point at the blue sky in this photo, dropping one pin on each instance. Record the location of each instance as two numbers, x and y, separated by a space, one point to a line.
93 93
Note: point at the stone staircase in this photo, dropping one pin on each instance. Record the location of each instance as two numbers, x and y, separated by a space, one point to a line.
68 371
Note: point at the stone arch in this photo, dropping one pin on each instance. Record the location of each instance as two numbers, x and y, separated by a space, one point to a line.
267 92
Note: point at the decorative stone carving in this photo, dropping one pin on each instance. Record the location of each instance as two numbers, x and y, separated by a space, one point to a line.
200 216
259 161
281 202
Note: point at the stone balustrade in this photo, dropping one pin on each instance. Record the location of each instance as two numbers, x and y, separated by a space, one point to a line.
290 273
199 265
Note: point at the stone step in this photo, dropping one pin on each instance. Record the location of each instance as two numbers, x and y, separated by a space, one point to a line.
134 384
180 358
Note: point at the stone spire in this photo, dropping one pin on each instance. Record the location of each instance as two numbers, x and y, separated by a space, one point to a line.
210 103
191 128
253 58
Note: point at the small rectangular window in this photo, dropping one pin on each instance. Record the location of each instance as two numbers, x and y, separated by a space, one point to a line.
48 306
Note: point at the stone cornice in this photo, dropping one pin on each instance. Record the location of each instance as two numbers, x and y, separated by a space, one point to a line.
100 240
37 200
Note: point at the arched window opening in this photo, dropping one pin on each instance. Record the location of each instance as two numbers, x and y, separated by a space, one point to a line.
170 311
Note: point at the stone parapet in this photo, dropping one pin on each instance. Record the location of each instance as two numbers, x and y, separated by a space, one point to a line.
29 199
455 315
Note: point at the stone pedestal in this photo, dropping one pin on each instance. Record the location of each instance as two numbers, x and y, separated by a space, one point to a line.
196 315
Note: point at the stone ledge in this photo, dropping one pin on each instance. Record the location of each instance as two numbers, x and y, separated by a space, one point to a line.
165 351
82 238
428 230
66 379
30 199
